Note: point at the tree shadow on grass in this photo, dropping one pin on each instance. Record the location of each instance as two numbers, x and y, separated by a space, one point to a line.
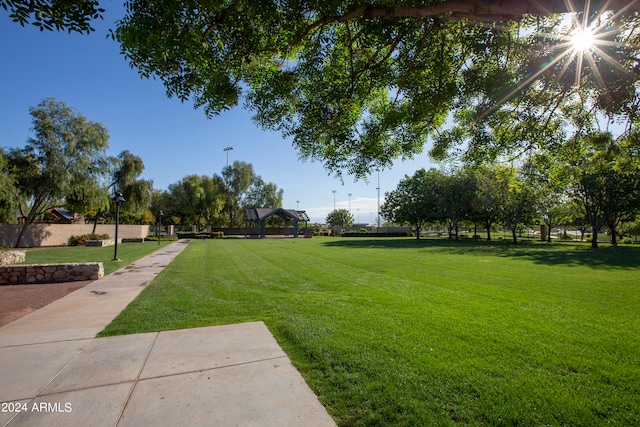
578 254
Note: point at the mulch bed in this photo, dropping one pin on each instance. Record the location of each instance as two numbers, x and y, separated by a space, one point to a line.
19 300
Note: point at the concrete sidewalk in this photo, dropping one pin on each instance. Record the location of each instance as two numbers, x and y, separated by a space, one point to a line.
54 372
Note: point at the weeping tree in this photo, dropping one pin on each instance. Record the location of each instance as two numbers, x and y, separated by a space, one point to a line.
125 170
61 165
196 200
9 198
136 191
245 189
237 178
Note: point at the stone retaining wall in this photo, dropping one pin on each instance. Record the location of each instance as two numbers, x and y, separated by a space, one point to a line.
11 257
50 273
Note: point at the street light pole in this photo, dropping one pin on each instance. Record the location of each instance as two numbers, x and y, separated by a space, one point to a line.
334 198
350 194
227 149
378 198
118 199
159 224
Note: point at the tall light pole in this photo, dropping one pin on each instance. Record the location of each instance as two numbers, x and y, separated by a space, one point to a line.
159 224
119 200
334 198
378 198
350 194
227 149
297 204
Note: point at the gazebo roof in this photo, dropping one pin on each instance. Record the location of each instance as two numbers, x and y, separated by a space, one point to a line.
262 214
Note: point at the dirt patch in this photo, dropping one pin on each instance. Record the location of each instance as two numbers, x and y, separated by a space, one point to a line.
19 300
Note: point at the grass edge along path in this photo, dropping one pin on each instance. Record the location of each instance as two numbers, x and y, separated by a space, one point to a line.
399 332
127 254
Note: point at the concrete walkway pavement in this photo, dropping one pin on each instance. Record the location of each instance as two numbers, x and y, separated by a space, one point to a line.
54 372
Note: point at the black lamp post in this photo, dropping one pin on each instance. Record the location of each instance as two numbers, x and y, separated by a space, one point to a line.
119 200
159 224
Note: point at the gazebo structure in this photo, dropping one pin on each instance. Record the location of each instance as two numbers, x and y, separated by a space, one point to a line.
256 220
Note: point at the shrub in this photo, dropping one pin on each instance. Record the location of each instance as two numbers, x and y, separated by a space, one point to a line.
79 240
163 239
626 241
191 234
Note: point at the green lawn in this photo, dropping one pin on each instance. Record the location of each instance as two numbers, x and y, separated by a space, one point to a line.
127 252
417 333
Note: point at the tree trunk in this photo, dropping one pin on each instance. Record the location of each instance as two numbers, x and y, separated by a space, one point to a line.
596 225
612 227
489 11
95 223
418 229
23 230
28 220
514 231
487 224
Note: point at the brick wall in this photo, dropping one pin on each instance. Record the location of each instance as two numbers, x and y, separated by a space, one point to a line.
58 234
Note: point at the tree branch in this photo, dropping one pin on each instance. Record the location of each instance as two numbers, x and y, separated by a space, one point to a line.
221 19
476 10
358 11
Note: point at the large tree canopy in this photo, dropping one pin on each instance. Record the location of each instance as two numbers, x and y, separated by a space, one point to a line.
126 180
218 200
357 85
61 165
70 15
9 197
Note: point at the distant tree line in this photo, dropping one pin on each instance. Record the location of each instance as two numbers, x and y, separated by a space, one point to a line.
65 165
592 182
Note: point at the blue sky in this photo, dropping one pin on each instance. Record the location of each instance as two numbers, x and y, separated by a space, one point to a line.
173 139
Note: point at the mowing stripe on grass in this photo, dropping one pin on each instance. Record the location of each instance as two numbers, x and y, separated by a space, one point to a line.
399 332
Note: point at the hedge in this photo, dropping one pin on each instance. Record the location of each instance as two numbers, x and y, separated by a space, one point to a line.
359 234
79 240
200 235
